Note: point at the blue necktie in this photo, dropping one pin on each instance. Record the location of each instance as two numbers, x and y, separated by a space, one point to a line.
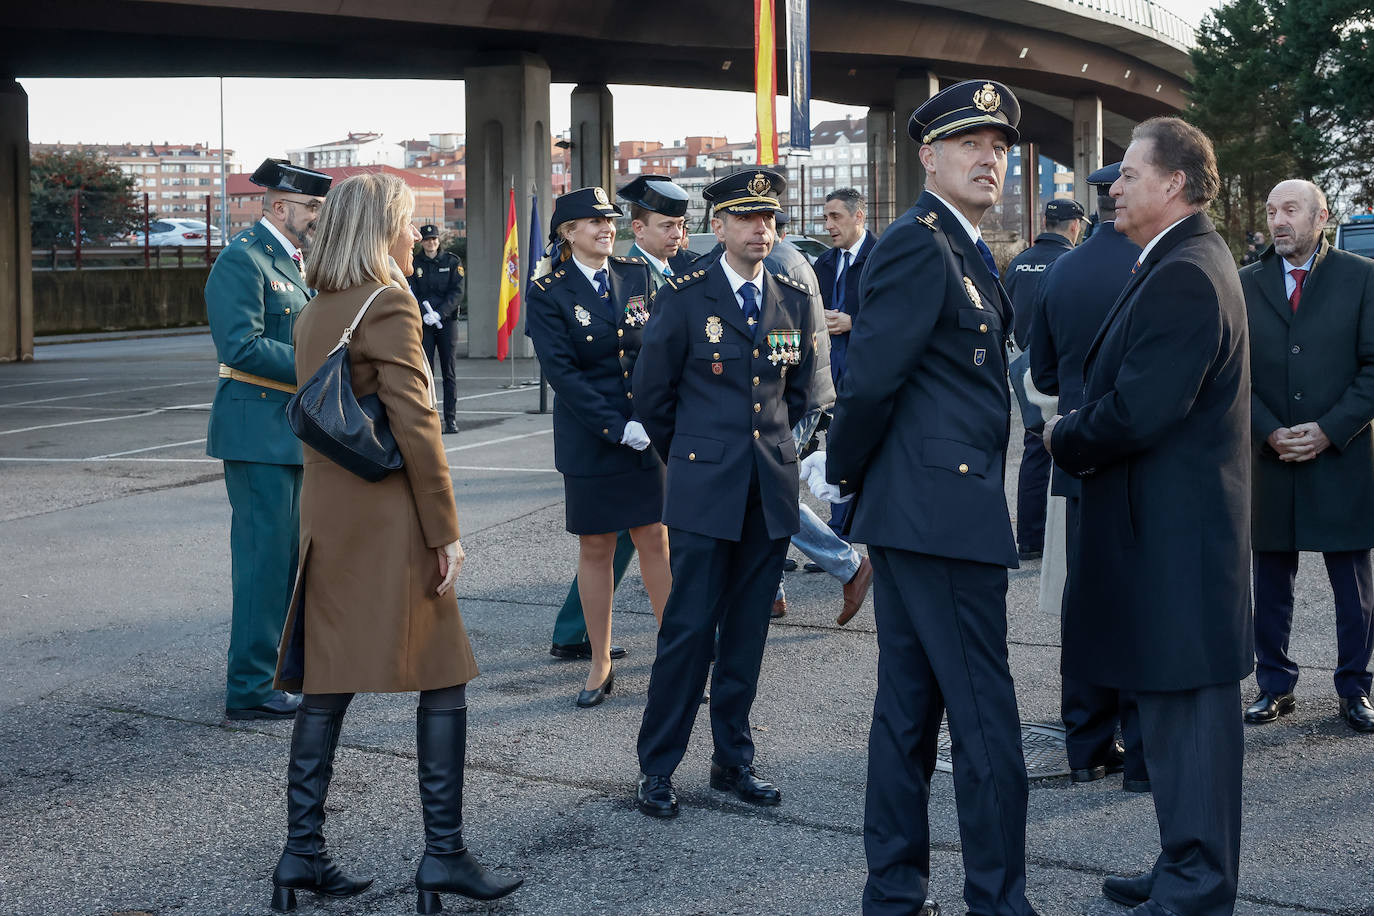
988 259
667 269
602 288
750 294
838 298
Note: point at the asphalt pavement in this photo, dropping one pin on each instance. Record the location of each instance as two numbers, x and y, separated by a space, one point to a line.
124 791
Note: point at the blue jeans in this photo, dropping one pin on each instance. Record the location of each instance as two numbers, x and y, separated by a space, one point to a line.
824 547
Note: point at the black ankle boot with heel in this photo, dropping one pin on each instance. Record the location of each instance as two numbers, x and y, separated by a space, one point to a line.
305 864
447 866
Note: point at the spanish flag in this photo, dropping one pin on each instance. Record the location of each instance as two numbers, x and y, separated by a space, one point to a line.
766 80
508 311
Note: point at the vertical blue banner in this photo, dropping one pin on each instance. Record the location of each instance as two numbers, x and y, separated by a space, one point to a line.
799 74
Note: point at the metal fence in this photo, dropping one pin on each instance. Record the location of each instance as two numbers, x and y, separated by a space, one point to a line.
1148 15
82 229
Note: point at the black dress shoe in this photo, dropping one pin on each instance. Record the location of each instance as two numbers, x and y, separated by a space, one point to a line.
1135 785
450 427
280 705
809 566
742 781
597 695
655 797
930 908
1358 714
1269 706
1030 554
1128 891
580 650
1088 774
789 565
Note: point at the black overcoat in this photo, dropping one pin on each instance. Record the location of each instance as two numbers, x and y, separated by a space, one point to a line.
1159 599
1315 365
587 348
923 410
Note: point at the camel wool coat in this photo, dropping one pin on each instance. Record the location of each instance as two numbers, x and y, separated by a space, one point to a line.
364 616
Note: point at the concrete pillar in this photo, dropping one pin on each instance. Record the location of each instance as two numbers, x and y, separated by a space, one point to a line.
881 149
1030 190
913 88
593 148
507 138
1087 145
16 262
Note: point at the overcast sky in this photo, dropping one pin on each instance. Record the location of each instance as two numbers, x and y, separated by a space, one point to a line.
265 117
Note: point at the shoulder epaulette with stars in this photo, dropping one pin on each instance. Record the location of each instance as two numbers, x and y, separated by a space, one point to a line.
928 218
785 279
687 278
625 259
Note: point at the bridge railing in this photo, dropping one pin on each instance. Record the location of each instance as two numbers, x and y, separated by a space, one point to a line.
1148 15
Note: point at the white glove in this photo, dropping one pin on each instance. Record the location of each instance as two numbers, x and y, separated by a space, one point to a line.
431 317
635 436
813 473
829 493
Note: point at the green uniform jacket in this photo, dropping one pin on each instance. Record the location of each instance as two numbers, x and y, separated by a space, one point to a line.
655 276
253 298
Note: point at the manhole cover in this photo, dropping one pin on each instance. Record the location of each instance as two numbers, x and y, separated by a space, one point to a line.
1042 745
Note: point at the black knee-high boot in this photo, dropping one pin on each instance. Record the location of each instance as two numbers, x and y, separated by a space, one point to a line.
305 863
441 743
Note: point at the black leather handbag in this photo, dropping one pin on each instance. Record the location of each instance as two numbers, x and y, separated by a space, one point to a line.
350 431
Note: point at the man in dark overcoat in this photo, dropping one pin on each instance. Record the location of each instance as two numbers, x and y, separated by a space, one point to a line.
1066 312
724 373
920 433
1311 310
1159 598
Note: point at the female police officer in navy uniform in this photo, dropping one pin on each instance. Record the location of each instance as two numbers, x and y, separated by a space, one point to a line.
586 318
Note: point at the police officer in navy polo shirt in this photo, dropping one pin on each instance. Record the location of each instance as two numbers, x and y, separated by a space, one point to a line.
722 377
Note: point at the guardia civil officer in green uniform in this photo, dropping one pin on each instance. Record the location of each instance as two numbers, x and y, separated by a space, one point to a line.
255 293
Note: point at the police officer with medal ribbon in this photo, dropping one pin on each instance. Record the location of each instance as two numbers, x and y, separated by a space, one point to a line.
437 285
920 434
255 292
586 319
722 378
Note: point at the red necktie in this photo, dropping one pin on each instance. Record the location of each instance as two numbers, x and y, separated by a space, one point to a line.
1298 276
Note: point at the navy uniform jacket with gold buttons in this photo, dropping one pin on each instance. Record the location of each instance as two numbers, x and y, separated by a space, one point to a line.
716 400
253 297
923 413
587 348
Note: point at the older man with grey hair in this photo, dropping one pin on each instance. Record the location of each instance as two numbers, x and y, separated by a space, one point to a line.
1311 313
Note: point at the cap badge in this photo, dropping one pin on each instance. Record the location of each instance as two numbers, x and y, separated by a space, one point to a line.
600 196
987 99
714 329
759 185
973 293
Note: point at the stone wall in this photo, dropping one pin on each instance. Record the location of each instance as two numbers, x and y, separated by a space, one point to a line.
114 299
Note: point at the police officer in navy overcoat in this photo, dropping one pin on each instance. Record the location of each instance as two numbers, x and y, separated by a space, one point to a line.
586 319
254 295
1066 312
722 378
920 435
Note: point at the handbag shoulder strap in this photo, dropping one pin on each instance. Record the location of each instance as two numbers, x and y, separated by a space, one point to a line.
348 331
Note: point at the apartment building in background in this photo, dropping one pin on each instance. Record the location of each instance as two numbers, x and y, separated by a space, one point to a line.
245 198
366 148
175 176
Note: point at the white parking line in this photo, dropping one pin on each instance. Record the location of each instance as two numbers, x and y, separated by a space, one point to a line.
463 448
463 467
30 429
150 448
54 381
98 394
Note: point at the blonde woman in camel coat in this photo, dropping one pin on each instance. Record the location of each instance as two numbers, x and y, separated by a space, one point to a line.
374 608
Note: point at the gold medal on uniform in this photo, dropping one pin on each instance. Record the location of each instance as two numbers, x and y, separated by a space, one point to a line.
973 293
583 316
636 314
714 329
784 346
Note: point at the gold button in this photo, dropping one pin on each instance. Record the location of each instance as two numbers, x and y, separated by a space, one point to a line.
622 352
627 375
589 337
983 328
844 483
756 380
963 469
606 431
758 407
262 394
756 434
620 332
756 352
630 394
288 311
715 356
691 456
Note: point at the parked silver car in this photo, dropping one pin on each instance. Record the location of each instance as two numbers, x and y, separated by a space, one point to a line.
178 232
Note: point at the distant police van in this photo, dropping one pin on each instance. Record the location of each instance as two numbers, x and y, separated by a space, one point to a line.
1357 235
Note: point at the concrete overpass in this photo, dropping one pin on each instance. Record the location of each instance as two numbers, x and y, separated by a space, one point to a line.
1085 70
